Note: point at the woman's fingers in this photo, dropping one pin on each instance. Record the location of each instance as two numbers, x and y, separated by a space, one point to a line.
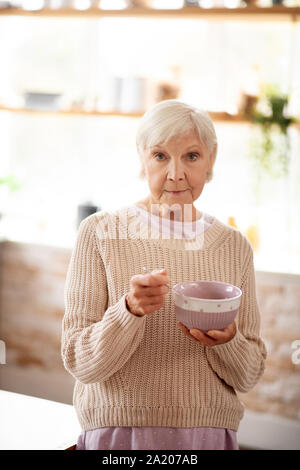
154 291
152 299
152 279
198 335
202 337
147 292
225 335
212 337
216 334
186 331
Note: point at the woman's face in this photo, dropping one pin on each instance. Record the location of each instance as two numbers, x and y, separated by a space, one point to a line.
181 164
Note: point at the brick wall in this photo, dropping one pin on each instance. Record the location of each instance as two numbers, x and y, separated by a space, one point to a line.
278 392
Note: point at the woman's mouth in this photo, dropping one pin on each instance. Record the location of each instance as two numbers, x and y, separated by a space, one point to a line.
176 192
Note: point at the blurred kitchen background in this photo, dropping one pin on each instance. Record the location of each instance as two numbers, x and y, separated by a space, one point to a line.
75 77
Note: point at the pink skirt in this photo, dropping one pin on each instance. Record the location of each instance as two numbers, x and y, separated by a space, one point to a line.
158 438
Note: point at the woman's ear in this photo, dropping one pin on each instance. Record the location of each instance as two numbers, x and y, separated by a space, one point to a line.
212 159
213 155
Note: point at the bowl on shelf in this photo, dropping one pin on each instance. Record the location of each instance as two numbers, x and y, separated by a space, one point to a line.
42 101
206 305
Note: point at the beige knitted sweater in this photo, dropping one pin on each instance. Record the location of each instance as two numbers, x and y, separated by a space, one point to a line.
143 371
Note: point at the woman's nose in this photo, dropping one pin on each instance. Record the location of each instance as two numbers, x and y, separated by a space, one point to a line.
176 172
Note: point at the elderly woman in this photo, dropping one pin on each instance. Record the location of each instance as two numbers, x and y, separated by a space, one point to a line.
143 380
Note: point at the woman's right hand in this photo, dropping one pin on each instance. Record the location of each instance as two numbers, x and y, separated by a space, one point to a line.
147 292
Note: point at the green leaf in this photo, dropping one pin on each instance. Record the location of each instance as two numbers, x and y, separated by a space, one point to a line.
12 183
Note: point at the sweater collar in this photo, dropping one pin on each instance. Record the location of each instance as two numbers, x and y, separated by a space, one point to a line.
133 227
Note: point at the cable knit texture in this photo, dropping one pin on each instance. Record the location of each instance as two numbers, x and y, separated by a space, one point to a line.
143 371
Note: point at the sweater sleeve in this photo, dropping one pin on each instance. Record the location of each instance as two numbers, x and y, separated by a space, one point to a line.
96 341
241 361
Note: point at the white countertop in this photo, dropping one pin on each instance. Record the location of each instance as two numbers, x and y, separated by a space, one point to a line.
31 423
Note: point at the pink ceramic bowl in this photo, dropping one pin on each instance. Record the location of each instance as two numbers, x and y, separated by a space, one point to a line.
206 305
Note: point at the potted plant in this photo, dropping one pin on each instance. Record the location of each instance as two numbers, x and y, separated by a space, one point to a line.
11 183
271 151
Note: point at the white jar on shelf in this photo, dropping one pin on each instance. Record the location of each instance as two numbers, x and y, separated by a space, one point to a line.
206 3
132 94
32 5
113 4
81 4
56 4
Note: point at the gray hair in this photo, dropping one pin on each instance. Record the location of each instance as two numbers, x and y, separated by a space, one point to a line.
171 118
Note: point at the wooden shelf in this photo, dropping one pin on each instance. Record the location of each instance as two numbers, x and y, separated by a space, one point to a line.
70 112
215 116
275 13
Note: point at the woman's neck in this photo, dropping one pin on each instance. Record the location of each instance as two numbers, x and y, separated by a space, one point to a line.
162 210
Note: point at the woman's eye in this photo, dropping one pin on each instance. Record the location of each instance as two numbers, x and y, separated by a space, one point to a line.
159 154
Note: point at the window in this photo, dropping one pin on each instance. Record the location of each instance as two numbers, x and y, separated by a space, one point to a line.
65 160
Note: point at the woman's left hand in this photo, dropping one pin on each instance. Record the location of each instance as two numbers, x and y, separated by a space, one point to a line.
212 337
